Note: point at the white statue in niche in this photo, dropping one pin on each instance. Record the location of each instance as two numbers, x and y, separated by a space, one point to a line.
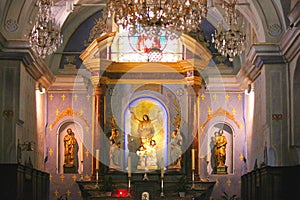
147 156
115 151
176 151
147 152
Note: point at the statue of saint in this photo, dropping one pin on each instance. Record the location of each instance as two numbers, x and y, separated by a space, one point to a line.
147 156
147 150
115 151
145 129
71 152
175 147
220 149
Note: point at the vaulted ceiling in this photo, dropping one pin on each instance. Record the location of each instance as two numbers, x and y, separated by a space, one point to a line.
267 20
268 17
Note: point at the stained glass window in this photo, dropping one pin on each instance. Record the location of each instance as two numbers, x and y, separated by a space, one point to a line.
142 47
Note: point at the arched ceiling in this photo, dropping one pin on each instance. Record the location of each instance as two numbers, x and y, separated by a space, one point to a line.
266 17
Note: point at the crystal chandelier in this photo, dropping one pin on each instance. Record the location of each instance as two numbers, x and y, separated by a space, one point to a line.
154 16
230 42
45 36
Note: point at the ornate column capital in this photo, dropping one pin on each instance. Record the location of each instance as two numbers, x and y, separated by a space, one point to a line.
259 55
290 44
34 65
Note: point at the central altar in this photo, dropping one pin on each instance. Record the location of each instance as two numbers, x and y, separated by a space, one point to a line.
145 113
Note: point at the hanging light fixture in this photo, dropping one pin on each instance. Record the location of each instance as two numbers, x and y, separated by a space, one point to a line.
154 16
45 36
230 42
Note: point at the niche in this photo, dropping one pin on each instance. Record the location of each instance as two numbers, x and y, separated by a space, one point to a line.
228 133
77 132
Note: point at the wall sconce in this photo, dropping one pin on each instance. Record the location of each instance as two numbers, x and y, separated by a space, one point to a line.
26 146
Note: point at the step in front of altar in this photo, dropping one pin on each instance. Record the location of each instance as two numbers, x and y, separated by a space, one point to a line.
92 191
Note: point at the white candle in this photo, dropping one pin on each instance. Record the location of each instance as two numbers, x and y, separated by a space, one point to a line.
97 176
82 156
129 167
193 159
97 158
82 151
162 173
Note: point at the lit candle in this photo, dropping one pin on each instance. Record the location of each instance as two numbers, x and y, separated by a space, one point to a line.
97 176
129 167
97 158
193 159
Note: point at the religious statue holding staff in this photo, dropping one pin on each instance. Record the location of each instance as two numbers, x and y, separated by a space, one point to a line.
70 152
220 152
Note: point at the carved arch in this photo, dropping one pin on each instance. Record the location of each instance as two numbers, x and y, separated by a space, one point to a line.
221 112
77 125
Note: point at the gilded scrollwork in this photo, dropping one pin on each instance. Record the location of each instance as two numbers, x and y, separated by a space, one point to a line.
220 112
68 112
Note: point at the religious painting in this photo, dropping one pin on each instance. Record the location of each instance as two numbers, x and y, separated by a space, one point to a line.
146 133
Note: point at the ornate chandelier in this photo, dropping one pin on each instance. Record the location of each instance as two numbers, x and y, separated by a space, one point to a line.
230 42
154 16
45 36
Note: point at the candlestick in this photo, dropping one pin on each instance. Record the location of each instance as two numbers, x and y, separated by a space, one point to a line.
97 159
193 179
129 166
162 188
97 178
81 166
193 159
129 187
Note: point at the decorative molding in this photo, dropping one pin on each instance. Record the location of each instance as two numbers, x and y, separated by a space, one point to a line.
69 83
11 25
261 54
222 83
274 29
272 21
294 15
247 74
68 112
35 66
8 114
198 49
220 112
290 43
98 29
276 117
97 46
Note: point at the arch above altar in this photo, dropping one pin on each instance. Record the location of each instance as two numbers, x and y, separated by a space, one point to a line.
100 57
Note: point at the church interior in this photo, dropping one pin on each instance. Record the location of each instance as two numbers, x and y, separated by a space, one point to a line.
149 99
